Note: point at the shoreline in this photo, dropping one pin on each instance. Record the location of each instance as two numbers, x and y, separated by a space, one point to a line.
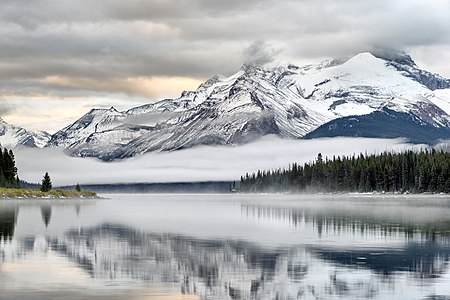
14 193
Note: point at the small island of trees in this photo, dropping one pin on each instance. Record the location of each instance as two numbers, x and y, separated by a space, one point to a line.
406 172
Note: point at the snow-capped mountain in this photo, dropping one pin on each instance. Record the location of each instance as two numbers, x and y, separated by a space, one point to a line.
13 136
364 95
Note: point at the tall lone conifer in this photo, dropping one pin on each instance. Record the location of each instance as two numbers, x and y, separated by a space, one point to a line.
46 183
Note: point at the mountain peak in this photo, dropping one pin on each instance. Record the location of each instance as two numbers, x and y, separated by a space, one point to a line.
395 56
251 68
95 111
363 61
363 56
14 136
287 101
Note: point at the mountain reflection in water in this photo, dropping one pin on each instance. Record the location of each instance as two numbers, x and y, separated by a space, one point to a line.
256 247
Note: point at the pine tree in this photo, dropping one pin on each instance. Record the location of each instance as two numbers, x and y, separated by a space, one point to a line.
78 188
46 183
427 171
8 169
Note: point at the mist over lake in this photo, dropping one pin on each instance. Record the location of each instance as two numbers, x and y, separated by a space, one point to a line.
202 163
225 150
226 247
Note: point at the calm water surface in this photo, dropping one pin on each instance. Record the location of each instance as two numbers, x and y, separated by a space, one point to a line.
226 247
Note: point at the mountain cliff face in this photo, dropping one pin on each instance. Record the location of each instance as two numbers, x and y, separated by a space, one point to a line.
291 102
13 136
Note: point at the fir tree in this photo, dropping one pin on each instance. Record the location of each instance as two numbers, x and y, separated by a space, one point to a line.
427 171
78 188
46 183
8 169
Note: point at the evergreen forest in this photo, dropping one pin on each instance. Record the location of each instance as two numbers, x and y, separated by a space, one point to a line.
8 169
12 187
415 172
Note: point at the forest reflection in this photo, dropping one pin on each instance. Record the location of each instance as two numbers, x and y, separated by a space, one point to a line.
328 263
46 211
8 219
350 222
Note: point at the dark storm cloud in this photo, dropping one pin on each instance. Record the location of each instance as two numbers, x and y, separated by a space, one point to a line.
103 41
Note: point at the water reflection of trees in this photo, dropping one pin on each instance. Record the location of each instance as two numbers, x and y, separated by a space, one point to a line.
236 268
240 269
8 219
426 257
46 212
420 260
212 266
332 222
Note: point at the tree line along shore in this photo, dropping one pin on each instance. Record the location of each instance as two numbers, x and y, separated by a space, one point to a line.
405 172
11 185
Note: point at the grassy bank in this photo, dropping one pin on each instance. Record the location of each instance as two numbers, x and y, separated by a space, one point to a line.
31 193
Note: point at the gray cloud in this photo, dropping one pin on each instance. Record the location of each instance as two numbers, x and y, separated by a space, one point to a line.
260 53
48 11
331 28
91 40
5 108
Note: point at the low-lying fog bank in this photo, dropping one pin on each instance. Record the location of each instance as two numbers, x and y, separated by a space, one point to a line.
204 163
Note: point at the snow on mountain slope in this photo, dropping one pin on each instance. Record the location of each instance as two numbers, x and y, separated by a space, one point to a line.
441 98
95 121
13 136
404 64
290 102
231 110
366 84
363 82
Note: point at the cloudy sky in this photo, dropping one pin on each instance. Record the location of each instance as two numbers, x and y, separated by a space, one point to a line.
60 58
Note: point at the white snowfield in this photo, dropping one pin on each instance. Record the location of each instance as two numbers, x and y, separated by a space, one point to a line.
12 136
289 102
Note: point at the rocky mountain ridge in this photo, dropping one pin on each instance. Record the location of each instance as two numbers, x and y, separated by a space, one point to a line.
391 94
13 136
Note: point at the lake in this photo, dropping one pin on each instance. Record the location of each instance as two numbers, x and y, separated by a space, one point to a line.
231 246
